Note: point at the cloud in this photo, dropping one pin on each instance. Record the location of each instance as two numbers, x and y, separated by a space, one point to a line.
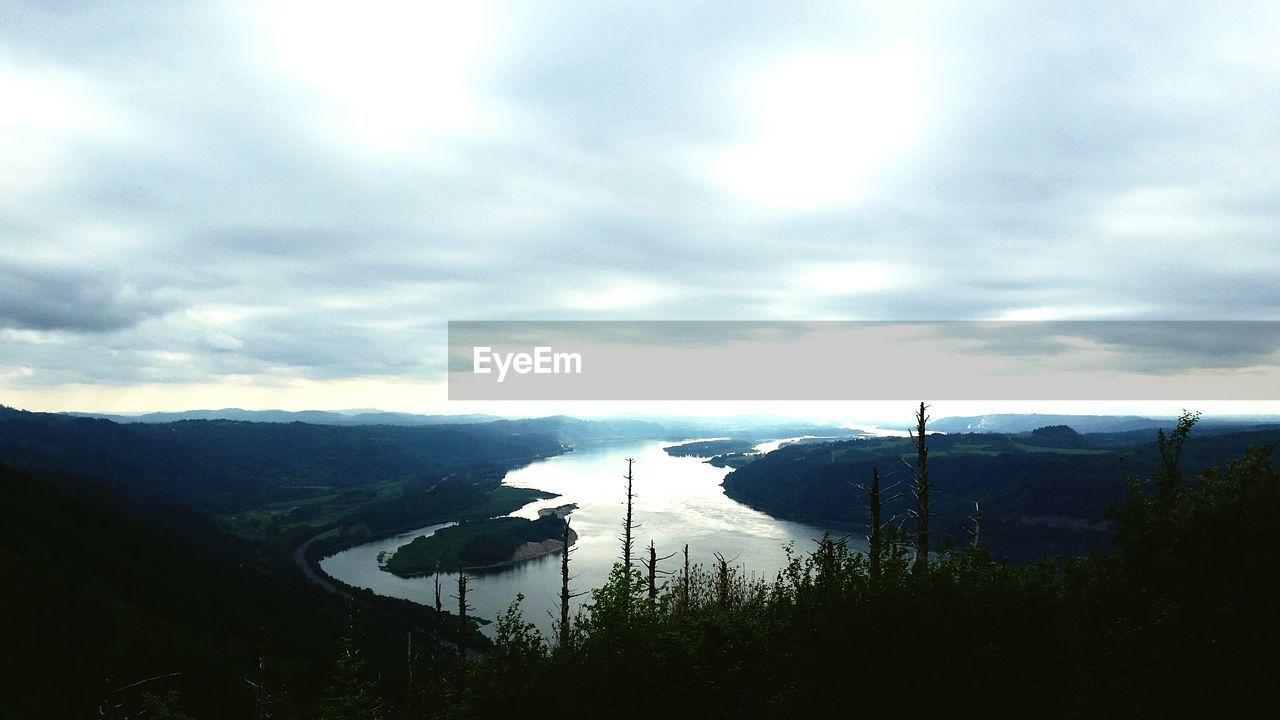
239 190
48 299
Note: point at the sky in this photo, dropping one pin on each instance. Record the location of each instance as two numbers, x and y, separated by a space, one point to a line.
280 205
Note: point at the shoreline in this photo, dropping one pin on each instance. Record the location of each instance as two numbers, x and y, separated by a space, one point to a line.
550 546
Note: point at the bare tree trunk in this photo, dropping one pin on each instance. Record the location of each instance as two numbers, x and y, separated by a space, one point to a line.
652 565
627 527
653 569
684 582
262 699
922 489
565 595
409 701
462 630
874 539
262 688
439 625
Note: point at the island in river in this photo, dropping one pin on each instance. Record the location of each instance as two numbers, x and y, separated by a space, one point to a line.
721 452
487 543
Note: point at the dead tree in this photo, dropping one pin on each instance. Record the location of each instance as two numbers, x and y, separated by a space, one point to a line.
921 473
876 500
627 525
263 698
873 541
565 594
976 519
684 582
410 658
439 608
439 623
463 629
112 707
628 532
652 566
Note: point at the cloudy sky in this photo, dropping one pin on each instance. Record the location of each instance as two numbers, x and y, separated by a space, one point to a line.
281 204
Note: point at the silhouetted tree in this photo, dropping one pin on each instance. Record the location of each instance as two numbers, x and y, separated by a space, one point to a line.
921 473
439 608
627 525
1169 475
684 582
976 519
350 695
263 697
873 539
463 630
113 705
564 628
628 533
651 565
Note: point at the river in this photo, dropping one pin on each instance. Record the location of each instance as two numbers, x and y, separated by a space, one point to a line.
678 500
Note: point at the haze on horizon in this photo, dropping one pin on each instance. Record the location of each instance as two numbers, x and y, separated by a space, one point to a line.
279 205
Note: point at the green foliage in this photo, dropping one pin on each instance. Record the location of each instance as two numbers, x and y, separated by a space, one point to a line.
229 467
712 448
1177 621
1040 500
1169 474
472 544
98 588
1188 584
1172 624
512 669
350 695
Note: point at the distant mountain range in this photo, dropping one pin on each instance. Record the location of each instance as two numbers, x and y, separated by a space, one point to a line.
675 427
1019 423
315 417
573 429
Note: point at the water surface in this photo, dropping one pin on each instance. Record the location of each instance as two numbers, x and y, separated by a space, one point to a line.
678 500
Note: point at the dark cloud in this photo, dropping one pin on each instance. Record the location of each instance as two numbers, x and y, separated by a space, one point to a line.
1152 346
48 299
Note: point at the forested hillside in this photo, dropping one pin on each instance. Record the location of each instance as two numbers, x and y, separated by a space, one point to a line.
1043 493
102 593
128 602
225 466
123 568
1172 623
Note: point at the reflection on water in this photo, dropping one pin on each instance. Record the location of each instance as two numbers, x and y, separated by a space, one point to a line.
771 445
678 500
